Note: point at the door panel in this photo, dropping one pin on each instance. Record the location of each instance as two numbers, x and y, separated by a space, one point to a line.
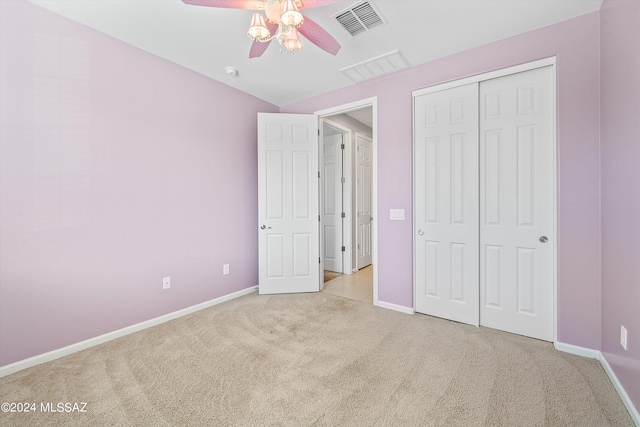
516 193
288 203
332 202
446 204
364 161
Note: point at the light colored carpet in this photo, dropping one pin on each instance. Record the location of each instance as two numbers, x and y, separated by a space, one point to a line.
317 359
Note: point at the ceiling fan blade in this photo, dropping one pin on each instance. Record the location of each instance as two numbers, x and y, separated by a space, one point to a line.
319 36
308 4
258 48
233 4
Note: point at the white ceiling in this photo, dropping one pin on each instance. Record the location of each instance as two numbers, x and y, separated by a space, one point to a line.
207 40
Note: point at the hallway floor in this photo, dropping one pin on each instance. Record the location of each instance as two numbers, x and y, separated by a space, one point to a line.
357 286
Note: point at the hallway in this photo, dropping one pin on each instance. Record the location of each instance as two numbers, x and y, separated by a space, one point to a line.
358 286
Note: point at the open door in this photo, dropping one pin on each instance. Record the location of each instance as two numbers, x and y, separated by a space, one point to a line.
332 209
364 167
289 254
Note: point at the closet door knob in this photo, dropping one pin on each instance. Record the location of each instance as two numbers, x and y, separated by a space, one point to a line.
543 239
420 232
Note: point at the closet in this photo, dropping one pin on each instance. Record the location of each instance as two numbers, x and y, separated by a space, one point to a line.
484 201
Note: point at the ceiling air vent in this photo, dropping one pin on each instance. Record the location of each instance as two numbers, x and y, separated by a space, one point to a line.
360 18
376 67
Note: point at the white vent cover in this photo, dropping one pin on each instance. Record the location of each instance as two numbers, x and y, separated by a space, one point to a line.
376 67
360 18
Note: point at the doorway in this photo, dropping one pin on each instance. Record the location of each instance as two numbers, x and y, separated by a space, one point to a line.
347 196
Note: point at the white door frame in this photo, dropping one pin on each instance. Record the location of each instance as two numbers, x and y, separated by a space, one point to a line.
373 103
492 75
347 265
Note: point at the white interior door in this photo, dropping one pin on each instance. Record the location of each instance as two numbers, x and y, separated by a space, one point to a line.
332 176
517 205
289 255
446 204
364 176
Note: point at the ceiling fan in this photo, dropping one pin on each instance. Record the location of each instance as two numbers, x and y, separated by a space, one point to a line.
283 23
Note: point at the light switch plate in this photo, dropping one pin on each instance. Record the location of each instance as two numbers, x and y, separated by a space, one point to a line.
623 337
396 214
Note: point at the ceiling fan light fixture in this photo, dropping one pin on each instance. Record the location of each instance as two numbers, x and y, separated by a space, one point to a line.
291 16
258 29
291 41
273 10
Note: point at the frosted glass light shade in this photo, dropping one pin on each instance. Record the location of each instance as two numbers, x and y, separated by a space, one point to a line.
290 14
291 41
258 29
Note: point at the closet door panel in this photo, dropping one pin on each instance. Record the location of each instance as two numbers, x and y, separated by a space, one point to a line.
446 204
516 203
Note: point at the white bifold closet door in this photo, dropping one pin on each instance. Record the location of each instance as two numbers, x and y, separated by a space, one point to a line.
516 203
446 204
483 202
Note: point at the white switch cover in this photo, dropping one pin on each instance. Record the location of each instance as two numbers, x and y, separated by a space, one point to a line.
396 214
225 269
623 337
166 282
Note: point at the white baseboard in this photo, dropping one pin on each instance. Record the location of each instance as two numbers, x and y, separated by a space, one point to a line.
596 354
82 345
577 350
395 307
621 391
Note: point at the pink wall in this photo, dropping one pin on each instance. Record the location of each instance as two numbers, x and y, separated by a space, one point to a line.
117 168
575 43
620 151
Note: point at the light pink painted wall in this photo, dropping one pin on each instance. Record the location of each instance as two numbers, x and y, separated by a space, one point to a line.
575 43
117 168
620 151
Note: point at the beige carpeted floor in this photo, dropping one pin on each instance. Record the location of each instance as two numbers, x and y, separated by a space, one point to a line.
317 359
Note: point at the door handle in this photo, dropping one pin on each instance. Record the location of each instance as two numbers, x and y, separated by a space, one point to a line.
263 227
420 232
370 218
543 239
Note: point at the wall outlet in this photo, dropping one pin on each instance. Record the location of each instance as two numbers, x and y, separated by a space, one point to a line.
225 269
166 282
623 337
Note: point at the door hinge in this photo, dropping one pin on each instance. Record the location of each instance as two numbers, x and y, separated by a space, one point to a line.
318 218
342 146
358 245
318 174
342 180
342 215
344 249
318 131
319 262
